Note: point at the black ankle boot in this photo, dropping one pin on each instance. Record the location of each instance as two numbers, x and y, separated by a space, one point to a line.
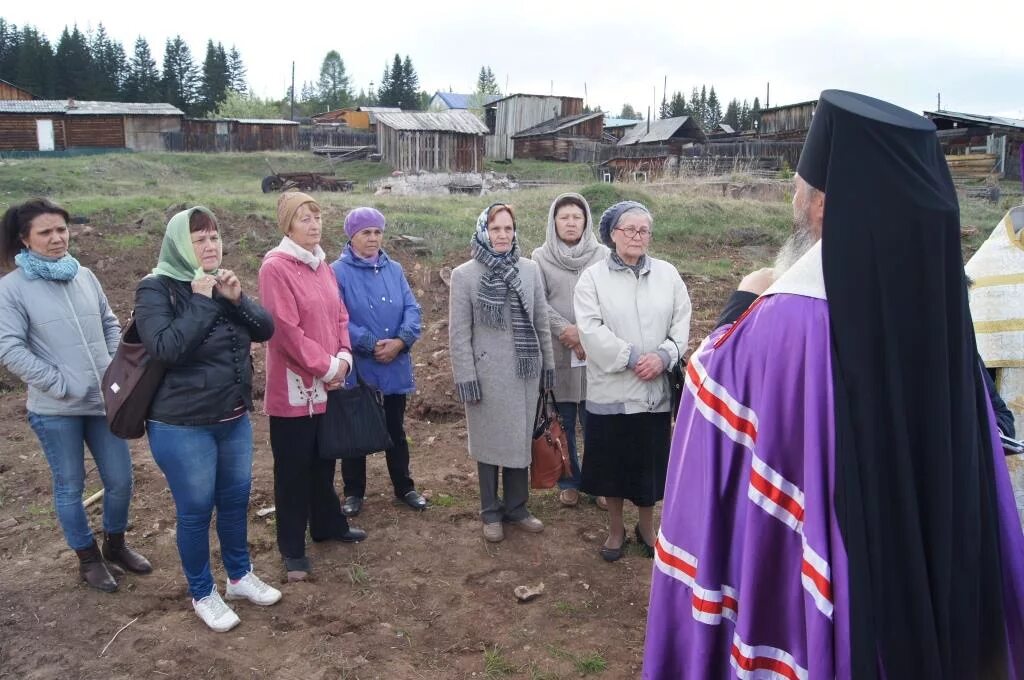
93 569
116 551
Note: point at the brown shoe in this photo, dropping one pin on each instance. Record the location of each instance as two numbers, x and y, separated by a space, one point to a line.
494 532
116 551
93 569
530 523
569 497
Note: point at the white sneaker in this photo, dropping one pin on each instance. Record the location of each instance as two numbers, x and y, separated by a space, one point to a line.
251 588
215 613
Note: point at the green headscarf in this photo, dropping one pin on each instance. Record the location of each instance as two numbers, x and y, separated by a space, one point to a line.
177 256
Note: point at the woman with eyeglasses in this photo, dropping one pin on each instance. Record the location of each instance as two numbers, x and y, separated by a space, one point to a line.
633 316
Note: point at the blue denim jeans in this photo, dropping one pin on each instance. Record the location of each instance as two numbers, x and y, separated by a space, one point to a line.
207 467
63 439
569 412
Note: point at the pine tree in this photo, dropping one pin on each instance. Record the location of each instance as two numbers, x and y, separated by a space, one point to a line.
110 66
35 64
410 92
677 107
714 111
73 65
695 108
180 80
628 112
10 42
701 109
745 123
732 115
334 88
309 100
755 113
486 85
663 110
237 73
142 83
387 93
213 85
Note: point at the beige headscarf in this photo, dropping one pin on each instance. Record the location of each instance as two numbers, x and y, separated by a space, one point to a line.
288 204
571 257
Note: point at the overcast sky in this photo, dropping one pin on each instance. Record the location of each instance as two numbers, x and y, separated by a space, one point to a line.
609 52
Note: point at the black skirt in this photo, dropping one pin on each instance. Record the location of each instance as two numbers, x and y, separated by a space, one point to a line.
626 456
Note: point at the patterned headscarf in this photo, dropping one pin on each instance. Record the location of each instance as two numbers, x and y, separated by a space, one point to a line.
501 278
611 216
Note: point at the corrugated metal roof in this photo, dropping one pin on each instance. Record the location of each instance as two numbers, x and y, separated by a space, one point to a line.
454 100
458 120
661 130
264 121
536 96
619 122
87 108
556 124
975 118
378 109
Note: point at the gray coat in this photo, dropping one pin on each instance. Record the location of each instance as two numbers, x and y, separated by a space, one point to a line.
58 337
560 269
501 422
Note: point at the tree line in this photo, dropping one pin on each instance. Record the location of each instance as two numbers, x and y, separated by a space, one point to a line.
705 108
92 65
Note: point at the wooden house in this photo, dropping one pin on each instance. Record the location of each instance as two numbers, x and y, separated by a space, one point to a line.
57 125
789 122
555 139
966 137
515 113
444 141
12 91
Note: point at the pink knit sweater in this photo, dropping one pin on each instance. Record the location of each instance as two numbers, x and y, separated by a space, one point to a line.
310 343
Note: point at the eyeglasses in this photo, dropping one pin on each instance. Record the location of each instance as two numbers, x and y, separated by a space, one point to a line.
632 233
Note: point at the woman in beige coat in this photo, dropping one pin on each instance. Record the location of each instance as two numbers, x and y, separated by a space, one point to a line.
501 359
569 247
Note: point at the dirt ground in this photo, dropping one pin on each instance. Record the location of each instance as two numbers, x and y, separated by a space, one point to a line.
424 597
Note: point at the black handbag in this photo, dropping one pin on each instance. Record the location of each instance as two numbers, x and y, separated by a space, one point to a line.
129 385
353 424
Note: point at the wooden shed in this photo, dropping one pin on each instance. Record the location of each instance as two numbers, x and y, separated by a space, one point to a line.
617 127
969 140
786 122
56 125
12 91
444 141
357 118
674 133
515 113
555 139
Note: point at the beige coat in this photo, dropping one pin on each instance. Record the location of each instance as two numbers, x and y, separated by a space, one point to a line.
501 423
560 269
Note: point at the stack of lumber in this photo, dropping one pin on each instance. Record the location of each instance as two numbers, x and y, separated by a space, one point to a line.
972 166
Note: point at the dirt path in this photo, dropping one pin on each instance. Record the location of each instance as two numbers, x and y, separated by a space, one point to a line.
423 597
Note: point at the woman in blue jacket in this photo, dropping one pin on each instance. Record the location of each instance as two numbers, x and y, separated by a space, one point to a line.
384 322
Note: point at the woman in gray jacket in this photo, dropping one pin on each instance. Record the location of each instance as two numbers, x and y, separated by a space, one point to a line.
501 358
57 334
569 247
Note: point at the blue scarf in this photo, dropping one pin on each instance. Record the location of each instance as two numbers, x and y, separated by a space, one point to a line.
38 266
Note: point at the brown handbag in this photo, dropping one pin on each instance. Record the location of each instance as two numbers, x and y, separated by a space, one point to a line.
550 449
129 384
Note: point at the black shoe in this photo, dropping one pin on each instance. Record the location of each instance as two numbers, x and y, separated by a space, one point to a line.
352 506
415 500
115 550
645 548
93 569
353 535
613 554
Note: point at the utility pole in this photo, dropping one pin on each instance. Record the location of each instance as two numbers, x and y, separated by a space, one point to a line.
768 97
291 115
939 106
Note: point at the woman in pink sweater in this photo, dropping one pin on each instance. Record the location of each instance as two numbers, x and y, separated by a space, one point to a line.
309 355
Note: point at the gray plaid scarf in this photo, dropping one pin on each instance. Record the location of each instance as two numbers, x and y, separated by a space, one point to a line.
502 276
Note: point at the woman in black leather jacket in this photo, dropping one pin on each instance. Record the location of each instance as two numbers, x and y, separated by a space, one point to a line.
193 317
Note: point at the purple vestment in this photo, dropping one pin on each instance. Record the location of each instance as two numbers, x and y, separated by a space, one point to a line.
750 569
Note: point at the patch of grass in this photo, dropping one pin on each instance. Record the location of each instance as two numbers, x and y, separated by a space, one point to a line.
537 674
125 241
571 608
495 663
443 500
357 574
590 663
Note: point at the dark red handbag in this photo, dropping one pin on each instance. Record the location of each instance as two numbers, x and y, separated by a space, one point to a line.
550 448
129 384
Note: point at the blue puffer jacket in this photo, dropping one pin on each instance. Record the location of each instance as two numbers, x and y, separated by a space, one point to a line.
380 306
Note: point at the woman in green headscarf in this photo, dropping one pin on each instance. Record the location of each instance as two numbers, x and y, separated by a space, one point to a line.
193 317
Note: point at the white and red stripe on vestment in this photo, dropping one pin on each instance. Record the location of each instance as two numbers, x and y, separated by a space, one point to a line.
768 489
761 662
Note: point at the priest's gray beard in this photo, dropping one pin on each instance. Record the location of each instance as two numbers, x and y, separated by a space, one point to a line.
798 243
